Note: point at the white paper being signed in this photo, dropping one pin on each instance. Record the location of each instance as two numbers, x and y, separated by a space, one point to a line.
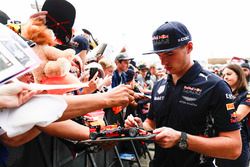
35 86
41 110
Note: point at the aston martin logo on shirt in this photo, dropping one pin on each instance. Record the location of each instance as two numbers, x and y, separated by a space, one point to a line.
189 98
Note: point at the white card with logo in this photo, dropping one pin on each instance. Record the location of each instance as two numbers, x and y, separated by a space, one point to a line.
16 57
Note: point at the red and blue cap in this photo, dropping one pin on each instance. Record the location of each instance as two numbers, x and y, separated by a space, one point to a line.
169 36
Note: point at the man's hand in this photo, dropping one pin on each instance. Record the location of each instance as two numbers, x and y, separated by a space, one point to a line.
167 137
107 80
139 96
92 84
39 16
15 94
133 122
121 95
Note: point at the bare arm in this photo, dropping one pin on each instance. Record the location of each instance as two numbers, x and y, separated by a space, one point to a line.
67 129
83 55
20 139
82 104
15 94
227 145
242 111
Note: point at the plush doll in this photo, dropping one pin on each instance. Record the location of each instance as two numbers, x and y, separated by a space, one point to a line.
56 64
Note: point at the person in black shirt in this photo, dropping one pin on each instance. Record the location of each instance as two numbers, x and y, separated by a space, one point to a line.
119 76
190 113
246 68
234 76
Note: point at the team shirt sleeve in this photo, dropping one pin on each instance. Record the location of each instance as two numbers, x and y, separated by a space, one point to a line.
224 111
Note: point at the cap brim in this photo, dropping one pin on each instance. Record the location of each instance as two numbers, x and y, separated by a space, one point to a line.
126 59
160 51
246 67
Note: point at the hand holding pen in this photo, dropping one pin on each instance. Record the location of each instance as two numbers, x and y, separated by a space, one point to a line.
132 121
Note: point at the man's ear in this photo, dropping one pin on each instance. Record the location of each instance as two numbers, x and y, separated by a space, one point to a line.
189 47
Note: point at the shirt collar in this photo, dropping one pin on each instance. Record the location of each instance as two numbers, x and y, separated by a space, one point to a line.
192 73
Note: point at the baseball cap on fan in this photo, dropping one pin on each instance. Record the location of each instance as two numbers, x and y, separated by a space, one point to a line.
245 65
3 18
60 18
123 56
169 36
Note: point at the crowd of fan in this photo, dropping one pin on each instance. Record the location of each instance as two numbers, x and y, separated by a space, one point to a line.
102 75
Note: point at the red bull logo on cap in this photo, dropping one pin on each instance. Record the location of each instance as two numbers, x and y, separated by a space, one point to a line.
158 37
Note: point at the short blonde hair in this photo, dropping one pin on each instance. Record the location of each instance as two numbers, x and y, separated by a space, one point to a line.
106 63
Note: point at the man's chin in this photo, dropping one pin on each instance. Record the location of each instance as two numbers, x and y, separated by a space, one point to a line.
170 70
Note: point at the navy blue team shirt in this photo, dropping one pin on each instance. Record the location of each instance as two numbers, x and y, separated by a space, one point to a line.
118 79
199 99
242 161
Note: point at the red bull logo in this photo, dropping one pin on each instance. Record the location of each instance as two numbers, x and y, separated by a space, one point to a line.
160 37
193 90
233 118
